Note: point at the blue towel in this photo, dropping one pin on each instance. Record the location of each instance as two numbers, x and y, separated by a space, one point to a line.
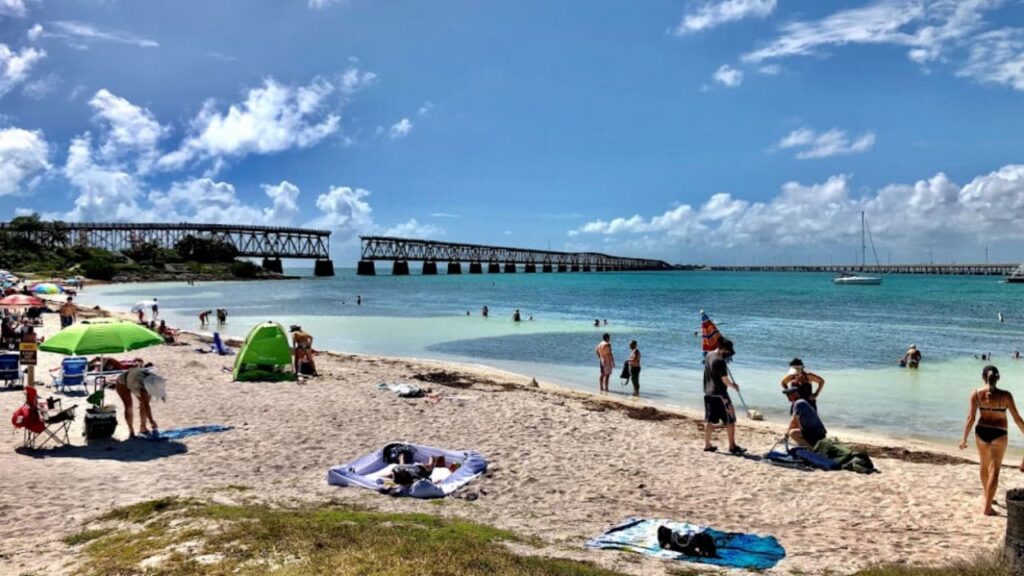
179 433
735 550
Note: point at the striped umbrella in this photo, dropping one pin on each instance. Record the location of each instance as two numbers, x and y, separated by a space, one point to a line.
20 301
47 288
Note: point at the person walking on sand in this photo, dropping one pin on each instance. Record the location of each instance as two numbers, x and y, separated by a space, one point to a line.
803 381
68 310
991 433
718 408
607 361
805 427
634 366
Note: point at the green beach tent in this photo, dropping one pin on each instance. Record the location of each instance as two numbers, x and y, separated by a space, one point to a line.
266 355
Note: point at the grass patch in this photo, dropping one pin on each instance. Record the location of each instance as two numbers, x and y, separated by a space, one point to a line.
990 565
202 538
83 537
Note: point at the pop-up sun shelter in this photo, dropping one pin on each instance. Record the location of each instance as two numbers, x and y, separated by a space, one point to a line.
371 470
265 355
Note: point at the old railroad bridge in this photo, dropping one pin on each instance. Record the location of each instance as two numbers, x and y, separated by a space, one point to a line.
400 251
268 242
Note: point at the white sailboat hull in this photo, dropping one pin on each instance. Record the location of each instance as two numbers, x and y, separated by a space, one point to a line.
858 280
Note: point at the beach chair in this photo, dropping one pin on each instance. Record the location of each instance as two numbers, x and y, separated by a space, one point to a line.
10 370
70 373
44 421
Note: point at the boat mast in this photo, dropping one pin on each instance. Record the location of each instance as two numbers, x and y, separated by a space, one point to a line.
863 243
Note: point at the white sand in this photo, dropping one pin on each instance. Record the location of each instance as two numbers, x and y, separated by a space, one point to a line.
560 470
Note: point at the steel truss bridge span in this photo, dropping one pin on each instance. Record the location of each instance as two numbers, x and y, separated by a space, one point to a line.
401 251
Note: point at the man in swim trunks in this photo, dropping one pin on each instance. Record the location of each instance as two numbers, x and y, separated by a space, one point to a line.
303 349
718 407
68 310
805 428
604 356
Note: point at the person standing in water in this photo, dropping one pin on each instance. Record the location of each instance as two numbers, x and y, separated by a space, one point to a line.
484 311
607 361
991 433
912 359
803 381
516 317
634 366
359 300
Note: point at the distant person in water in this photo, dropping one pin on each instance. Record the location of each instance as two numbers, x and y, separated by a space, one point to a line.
802 380
605 322
912 359
515 316
204 317
1016 354
983 356
484 311
597 323
718 408
606 360
222 315
467 313
991 433
634 366
531 318
1000 316
359 300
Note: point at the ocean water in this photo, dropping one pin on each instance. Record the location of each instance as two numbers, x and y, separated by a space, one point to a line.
850 335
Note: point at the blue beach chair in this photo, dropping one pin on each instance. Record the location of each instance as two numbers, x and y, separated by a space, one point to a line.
10 370
70 373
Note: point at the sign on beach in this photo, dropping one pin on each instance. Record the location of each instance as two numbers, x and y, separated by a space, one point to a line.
28 351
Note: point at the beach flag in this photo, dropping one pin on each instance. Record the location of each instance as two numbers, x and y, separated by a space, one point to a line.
709 332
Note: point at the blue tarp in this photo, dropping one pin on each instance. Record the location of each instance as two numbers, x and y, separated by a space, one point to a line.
369 472
179 433
736 550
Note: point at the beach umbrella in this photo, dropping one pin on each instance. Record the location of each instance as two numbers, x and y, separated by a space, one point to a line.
47 288
20 301
101 336
144 305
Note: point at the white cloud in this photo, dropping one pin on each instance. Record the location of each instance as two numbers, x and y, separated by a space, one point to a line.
728 76
129 130
15 66
79 34
284 207
711 14
104 192
445 215
34 33
41 88
322 4
354 79
209 201
997 57
272 118
13 8
23 159
413 229
770 69
834 142
400 129
344 210
925 27
425 108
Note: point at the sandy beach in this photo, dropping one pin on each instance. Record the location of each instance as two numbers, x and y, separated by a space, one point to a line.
564 467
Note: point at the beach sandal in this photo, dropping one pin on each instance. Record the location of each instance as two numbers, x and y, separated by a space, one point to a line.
711 449
737 449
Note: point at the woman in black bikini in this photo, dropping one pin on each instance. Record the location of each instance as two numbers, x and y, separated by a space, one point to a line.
991 432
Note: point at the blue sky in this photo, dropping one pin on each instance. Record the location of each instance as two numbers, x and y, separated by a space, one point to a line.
719 131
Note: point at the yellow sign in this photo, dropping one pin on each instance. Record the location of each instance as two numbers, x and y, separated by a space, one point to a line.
28 353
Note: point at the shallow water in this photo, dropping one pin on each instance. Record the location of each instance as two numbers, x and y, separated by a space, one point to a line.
851 335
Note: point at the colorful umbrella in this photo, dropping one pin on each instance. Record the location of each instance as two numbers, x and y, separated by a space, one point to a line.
47 288
102 336
20 301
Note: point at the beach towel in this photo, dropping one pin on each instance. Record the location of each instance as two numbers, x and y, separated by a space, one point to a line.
403 390
370 472
217 347
735 550
179 433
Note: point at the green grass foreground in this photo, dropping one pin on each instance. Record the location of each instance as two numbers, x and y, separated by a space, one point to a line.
175 536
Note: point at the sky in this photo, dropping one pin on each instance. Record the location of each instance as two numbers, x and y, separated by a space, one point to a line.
704 131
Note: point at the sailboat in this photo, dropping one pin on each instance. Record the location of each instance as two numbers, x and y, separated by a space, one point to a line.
860 279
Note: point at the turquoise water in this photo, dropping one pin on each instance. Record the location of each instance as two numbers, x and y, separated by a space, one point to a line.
851 335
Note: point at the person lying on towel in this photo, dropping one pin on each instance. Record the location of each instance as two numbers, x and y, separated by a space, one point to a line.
407 474
805 428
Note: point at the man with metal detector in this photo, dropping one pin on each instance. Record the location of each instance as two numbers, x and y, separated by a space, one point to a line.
718 408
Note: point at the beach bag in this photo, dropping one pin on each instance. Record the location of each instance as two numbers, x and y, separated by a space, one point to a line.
625 370
393 453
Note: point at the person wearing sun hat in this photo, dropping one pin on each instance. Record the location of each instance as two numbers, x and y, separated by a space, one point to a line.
804 381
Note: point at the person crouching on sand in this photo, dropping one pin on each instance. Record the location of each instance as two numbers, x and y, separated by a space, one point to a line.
607 361
303 349
718 407
991 433
803 381
132 383
805 427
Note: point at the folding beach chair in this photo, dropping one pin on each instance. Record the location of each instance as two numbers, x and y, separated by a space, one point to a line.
70 373
10 370
44 421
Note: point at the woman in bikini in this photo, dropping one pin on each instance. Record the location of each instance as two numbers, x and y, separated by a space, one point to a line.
991 432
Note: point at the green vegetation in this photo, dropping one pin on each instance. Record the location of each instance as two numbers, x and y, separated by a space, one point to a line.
32 245
191 537
991 565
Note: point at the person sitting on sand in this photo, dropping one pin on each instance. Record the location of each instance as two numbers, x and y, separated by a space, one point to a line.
991 433
606 360
132 383
803 380
718 408
302 343
912 359
805 427
170 336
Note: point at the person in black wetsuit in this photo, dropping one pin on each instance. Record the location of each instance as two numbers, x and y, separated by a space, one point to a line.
991 434
803 381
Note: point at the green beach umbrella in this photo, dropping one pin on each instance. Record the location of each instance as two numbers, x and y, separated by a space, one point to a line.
103 336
